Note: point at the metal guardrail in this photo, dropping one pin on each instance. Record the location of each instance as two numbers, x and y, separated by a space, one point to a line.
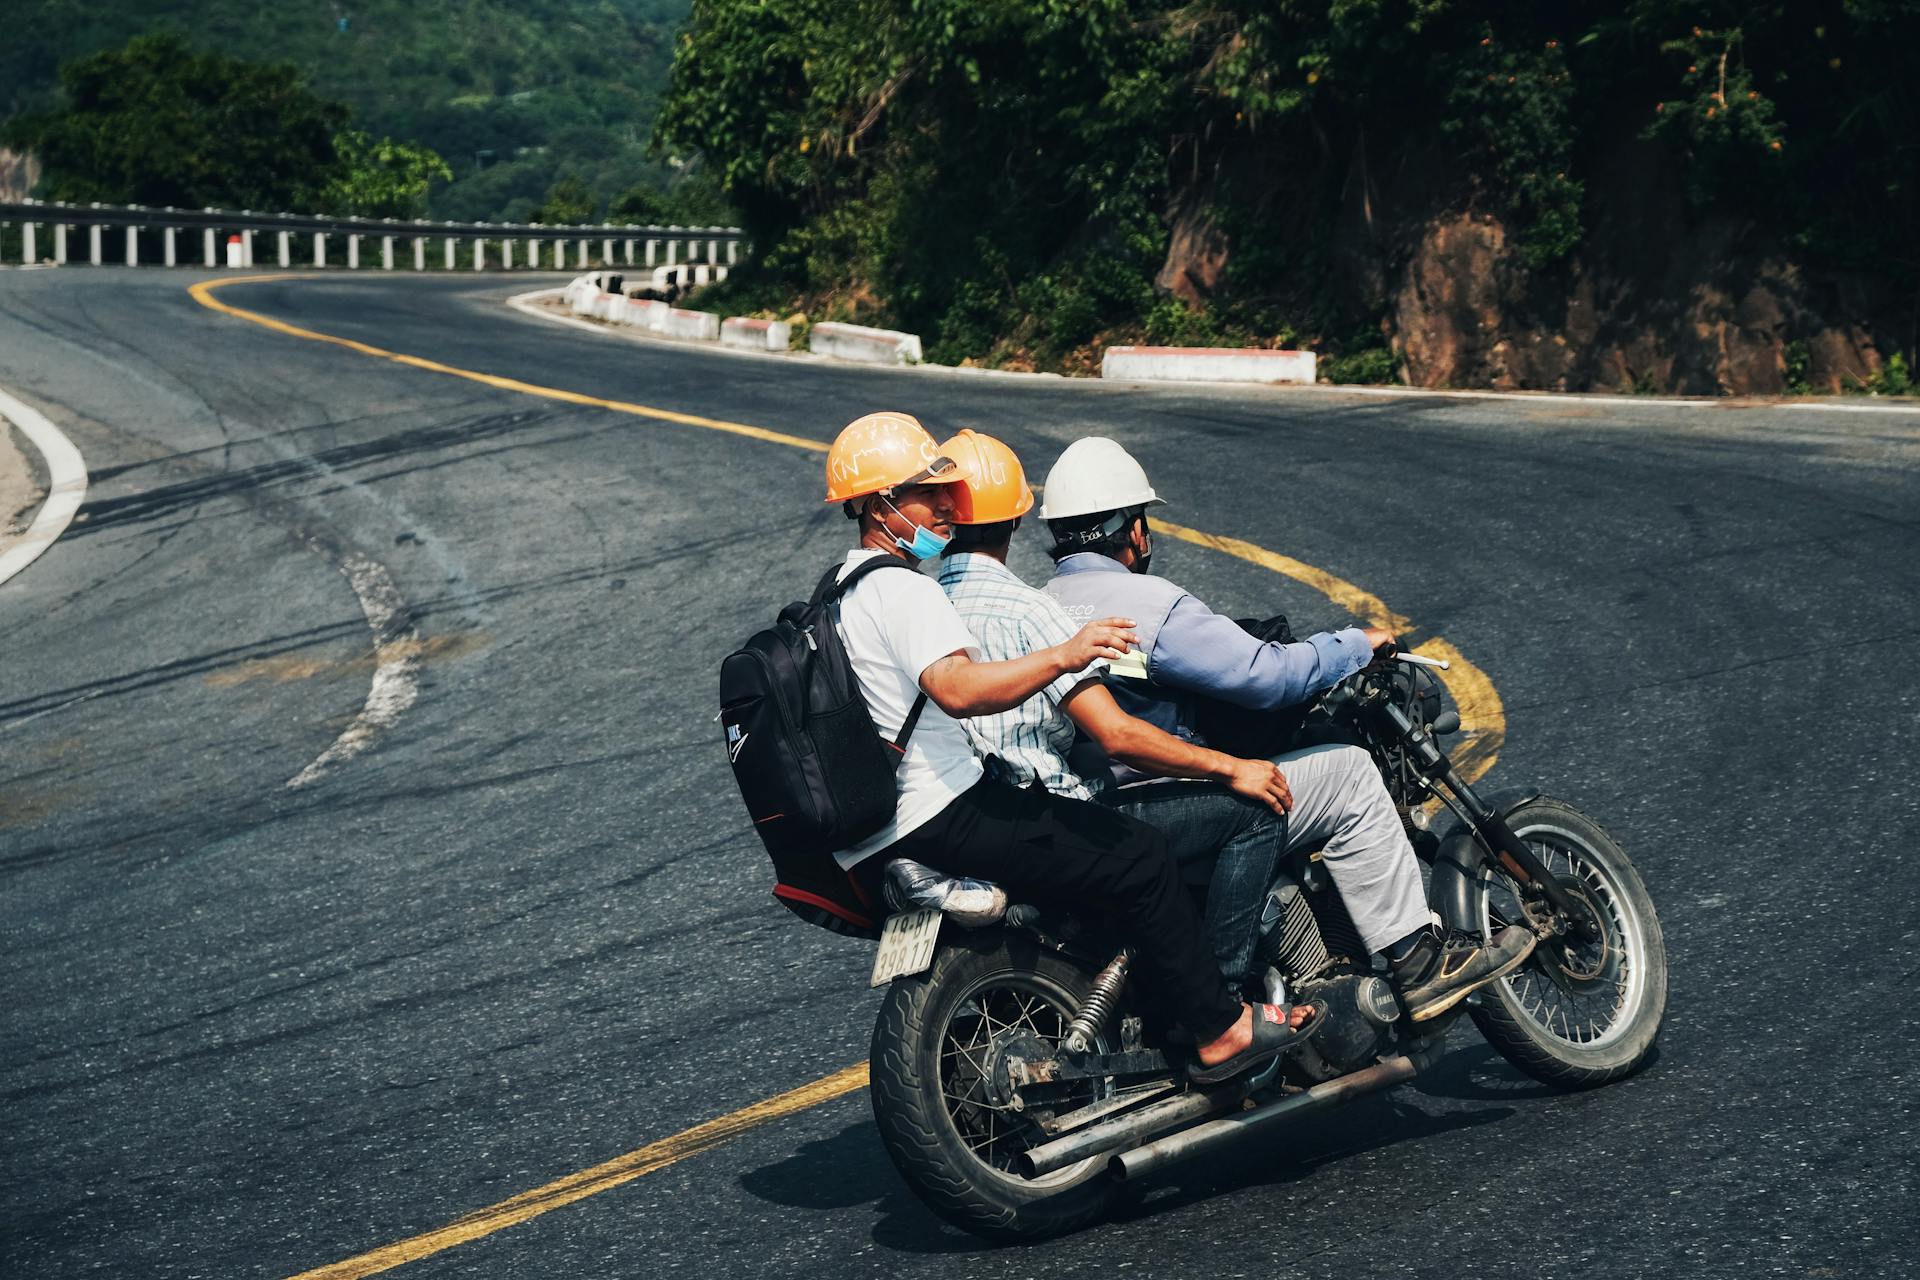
697 243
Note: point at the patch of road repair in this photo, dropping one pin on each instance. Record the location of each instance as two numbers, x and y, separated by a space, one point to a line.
397 648
66 485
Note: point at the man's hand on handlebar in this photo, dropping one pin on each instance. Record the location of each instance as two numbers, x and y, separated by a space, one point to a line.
1383 642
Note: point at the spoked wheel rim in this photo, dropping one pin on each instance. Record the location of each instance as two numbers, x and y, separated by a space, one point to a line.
994 1007
1581 994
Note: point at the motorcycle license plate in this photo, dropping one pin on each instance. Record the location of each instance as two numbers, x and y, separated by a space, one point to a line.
906 945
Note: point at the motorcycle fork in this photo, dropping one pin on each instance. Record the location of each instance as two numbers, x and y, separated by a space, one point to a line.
1501 843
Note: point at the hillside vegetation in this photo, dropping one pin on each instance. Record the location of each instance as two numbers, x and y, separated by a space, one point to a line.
1650 195
515 94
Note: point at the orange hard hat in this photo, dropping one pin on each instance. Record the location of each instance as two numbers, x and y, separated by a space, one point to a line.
884 451
993 483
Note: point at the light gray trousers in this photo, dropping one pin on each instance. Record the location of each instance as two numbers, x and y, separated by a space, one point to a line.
1341 807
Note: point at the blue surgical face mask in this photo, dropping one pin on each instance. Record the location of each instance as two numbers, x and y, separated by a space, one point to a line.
926 543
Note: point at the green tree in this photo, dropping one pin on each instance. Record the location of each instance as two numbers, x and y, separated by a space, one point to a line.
384 178
640 205
1002 174
569 202
159 123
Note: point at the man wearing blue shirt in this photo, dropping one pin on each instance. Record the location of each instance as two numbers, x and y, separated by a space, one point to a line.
1097 497
1226 833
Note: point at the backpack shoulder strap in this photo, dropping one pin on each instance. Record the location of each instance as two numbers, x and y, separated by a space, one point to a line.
832 586
906 730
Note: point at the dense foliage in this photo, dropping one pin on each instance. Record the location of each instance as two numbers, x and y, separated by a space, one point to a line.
381 178
1002 175
513 93
157 123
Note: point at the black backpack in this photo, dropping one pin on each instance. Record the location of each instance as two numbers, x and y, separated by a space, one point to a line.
815 773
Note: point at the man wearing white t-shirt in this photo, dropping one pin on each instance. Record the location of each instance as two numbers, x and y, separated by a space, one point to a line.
905 639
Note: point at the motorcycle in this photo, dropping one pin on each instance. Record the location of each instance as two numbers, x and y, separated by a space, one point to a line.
1017 1092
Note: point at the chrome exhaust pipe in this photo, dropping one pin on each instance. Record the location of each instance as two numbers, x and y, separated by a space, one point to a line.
1144 1160
1122 1131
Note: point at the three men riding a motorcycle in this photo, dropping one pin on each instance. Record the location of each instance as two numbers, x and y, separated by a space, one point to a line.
1232 819
904 639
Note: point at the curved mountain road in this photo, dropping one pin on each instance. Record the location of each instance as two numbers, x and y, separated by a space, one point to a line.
521 929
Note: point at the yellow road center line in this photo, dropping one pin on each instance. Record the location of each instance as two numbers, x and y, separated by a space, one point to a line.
1481 715
203 294
601 1177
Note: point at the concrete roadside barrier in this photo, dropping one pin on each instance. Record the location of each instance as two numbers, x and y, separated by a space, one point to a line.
755 335
646 313
580 293
1207 364
858 342
611 307
703 325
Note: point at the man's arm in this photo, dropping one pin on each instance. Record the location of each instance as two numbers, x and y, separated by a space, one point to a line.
962 687
1201 651
1134 742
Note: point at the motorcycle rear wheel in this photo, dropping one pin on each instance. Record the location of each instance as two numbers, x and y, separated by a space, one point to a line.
951 1146
1577 1016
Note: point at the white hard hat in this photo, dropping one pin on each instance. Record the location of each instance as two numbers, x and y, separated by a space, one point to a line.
1095 474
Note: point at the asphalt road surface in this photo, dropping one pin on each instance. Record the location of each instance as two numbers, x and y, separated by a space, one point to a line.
512 923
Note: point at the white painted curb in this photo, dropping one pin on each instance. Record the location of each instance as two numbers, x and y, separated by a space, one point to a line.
690 324
1207 364
523 303
755 335
66 484
858 342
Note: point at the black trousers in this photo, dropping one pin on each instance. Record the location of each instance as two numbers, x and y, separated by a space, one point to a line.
1072 855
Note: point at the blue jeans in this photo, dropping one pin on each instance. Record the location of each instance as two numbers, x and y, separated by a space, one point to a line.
1222 842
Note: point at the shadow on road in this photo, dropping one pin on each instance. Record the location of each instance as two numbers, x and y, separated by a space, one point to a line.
846 1171
850 1169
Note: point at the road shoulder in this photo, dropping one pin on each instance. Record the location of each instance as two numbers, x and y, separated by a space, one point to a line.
61 474
23 485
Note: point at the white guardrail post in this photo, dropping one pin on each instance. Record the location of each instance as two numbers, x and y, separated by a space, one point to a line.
221 229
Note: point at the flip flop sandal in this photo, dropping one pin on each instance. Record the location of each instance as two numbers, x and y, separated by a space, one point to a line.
1271 1037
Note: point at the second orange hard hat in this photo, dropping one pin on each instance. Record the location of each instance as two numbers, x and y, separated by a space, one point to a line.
993 484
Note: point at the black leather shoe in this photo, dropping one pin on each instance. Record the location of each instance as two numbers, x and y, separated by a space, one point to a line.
1440 972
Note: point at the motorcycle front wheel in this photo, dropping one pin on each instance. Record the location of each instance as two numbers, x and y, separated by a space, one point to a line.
931 1100
1578 1014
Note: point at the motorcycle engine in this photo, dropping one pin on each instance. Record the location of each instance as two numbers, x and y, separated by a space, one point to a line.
1313 953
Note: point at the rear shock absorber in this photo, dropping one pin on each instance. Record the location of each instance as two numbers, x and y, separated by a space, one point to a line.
1101 1002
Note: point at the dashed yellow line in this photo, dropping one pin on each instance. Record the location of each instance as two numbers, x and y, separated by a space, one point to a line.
1481 715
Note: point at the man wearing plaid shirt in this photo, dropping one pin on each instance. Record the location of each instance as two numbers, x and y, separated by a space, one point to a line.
1226 832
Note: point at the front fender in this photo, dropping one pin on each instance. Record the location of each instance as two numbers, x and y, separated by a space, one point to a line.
1456 891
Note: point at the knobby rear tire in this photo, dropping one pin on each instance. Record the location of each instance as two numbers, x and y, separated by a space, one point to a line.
915 1124
1503 1012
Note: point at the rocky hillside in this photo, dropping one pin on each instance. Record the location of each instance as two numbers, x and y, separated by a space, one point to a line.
1644 196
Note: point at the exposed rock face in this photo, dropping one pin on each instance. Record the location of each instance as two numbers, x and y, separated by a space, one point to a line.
1656 301
18 172
1466 312
1196 254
